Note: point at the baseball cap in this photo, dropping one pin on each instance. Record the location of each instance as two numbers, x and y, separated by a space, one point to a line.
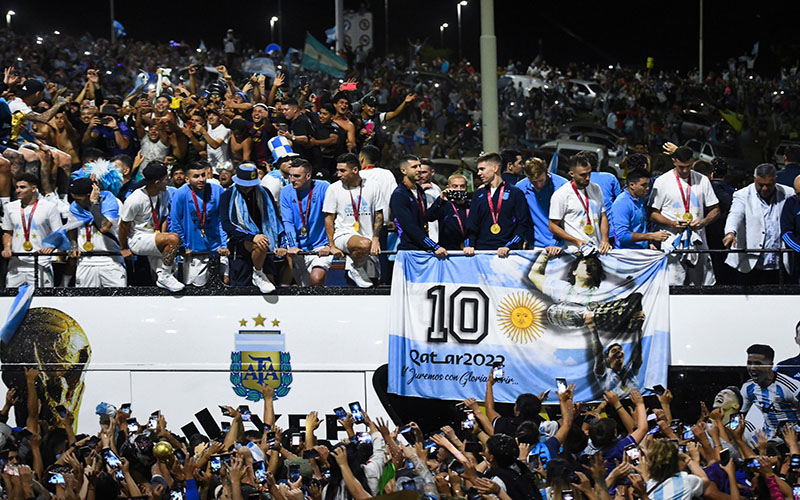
154 171
82 186
370 101
30 87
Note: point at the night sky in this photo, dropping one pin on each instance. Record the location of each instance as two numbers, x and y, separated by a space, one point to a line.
599 32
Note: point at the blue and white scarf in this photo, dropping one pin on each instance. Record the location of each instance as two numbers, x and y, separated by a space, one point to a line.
271 225
108 206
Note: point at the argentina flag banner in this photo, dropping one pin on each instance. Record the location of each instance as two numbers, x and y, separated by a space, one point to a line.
599 321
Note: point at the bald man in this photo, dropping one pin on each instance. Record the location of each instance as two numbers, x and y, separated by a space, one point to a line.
790 226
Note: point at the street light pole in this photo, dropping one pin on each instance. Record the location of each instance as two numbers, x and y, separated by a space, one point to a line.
386 23
441 33
700 80
113 32
489 114
462 3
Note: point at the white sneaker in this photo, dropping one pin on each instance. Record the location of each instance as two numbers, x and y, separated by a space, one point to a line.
360 280
263 283
169 282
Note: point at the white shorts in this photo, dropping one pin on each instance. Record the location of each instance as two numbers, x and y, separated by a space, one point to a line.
144 244
195 269
106 275
25 274
341 239
302 265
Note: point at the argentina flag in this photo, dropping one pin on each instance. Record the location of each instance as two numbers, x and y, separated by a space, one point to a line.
601 322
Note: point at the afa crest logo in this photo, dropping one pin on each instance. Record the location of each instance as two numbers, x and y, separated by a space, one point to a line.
260 359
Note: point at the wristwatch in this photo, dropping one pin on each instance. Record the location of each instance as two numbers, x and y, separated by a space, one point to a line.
293 137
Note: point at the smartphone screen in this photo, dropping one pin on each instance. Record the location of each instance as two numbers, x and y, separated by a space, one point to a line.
152 424
364 437
294 473
561 383
111 458
295 439
724 457
260 471
125 408
56 478
735 422
216 464
567 495
271 441
633 454
226 426
244 410
794 462
133 425
341 414
175 495
659 389
62 411
358 414
469 421
498 372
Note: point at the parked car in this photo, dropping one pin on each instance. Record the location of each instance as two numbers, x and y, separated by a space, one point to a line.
589 127
780 150
617 150
567 148
586 93
529 83
707 151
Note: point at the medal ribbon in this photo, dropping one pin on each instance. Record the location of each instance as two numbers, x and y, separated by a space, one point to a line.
88 232
304 217
352 201
155 210
201 220
27 230
688 196
420 199
495 215
584 205
458 218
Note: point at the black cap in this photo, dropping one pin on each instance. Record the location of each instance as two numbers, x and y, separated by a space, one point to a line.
30 87
683 154
81 186
154 171
108 110
370 101
340 95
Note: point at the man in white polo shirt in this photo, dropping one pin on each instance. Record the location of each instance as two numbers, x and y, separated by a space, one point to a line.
143 230
353 219
577 212
26 222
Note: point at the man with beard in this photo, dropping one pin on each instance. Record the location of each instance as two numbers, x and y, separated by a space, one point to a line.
775 394
261 131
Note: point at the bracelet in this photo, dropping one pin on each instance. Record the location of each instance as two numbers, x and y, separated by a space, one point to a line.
618 408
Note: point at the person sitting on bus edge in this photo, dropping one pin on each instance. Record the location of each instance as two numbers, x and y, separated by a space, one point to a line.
143 230
250 218
499 218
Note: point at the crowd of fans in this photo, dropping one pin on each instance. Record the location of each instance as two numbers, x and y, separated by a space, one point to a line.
162 165
626 447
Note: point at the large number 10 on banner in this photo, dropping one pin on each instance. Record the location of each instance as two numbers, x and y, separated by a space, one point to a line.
601 322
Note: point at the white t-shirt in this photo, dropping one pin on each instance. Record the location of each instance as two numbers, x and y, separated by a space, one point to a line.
219 155
138 209
101 243
18 104
386 184
565 206
682 486
431 194
46 220
666 197
338 201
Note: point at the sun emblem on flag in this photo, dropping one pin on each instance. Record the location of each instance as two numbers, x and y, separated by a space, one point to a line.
520 317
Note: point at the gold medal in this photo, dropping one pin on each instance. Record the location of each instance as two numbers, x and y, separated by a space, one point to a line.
357 226
687 216
202 233
157 231
588 229
302 231
27 246
495 229
88 246
462 246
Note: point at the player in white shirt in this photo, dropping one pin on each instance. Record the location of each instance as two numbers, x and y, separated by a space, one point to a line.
577 212
96 215
26 222
683 202
369 170
353 220
143 230
774 393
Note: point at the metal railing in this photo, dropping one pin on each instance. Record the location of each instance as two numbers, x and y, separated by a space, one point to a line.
780 274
